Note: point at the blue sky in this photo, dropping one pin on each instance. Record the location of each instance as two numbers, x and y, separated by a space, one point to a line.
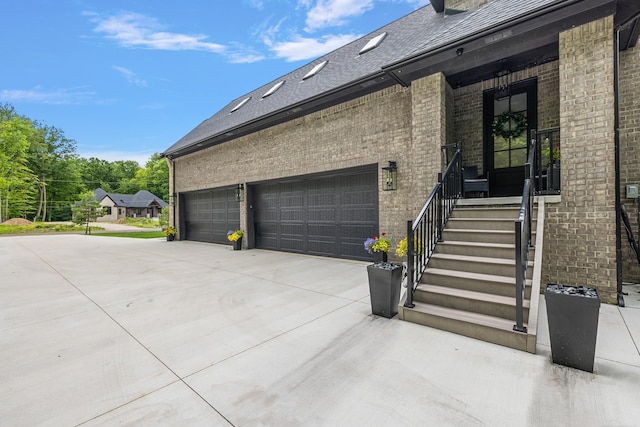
125 79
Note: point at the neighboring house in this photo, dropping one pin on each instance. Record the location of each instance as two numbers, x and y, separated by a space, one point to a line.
143 204
305 153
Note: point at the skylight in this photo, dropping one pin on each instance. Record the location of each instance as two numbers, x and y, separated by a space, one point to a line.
373 43
237 107
315 70
274 88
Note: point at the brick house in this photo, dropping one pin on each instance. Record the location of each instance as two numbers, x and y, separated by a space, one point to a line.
143 204
299 163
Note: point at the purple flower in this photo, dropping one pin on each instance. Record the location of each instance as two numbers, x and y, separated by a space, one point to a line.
367 244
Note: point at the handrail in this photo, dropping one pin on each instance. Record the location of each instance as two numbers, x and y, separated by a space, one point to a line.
523 235
425 232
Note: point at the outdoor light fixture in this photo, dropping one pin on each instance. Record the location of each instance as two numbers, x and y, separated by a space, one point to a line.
390 176
239 192
172 199
501 83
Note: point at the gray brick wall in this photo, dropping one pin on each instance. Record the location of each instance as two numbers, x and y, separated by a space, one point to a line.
370 130
580 230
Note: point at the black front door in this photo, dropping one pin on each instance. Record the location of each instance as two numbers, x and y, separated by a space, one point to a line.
507 121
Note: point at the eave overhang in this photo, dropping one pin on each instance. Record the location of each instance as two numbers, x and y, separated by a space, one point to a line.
529 40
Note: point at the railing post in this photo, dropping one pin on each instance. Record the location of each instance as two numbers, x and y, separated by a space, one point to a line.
519 326
439 218
410 268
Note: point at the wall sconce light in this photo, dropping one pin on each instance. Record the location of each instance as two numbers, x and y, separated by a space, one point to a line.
459 51
239 192
390 176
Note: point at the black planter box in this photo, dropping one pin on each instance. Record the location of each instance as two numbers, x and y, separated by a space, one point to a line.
237 244
573 312
385 281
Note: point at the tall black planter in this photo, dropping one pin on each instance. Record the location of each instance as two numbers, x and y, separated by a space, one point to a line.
385 281
573 324
237 244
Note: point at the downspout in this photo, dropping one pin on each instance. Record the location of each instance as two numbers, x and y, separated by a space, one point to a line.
616 124
172 196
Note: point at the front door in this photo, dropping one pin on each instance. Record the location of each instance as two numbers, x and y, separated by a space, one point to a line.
507 122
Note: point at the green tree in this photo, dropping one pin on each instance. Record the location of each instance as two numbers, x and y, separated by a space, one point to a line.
17 182
87 210
52 160
97 173
154 177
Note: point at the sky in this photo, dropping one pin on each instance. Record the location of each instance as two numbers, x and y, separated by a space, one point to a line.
129 78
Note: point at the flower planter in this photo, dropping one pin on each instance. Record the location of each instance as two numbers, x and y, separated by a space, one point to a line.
171 238
385 281
379 257
573 324
237 245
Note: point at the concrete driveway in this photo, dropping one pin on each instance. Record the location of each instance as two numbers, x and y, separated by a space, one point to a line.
114 331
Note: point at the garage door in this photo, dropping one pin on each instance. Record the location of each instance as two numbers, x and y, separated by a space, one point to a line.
328 215
209 214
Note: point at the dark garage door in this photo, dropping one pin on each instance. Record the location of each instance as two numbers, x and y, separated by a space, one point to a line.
209 214
329 215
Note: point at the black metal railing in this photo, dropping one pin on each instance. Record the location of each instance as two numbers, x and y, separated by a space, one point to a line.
547 161
523 235
425 232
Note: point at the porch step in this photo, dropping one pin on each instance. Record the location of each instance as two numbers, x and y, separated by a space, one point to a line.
470 301
477 264
486 236
469 284
479 223
492 250
475 325
489 283
504 212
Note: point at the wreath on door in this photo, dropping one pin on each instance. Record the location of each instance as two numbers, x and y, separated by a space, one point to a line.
509 125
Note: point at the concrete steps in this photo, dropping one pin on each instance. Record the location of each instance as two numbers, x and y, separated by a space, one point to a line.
469 285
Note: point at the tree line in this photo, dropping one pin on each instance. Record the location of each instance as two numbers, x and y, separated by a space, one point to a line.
42 176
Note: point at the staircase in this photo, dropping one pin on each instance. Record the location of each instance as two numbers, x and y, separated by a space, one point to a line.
469 287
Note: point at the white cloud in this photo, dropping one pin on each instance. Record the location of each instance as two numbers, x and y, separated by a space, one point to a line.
130 76
301 48
54 97
331 13
135 30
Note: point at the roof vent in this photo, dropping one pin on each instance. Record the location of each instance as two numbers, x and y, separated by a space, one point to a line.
274 88
373 43
241 104
315 70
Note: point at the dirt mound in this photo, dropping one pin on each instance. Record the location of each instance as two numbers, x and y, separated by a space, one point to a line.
17 221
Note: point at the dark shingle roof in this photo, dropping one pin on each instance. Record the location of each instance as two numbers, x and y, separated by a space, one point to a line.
417 33
142 199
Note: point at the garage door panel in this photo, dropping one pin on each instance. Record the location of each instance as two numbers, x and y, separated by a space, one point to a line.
329 216
209 214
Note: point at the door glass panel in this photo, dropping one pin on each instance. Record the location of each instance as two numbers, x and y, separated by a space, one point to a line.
511 151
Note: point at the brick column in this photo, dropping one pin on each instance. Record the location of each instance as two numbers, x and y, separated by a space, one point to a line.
581 233
430 98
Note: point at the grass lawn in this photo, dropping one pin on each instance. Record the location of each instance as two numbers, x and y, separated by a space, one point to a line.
141 222
134 234
41 228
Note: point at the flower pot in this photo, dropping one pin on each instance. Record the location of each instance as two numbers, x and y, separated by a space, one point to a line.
573 324
171 237
385 281
379 257
237 245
